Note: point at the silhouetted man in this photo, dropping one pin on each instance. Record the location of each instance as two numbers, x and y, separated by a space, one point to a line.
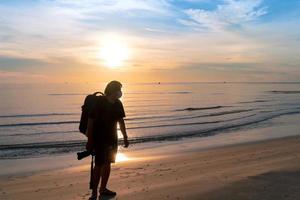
103 137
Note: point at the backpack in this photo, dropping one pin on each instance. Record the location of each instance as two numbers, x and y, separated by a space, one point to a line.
88 105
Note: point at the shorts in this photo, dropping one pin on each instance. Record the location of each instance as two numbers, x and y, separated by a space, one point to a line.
105 155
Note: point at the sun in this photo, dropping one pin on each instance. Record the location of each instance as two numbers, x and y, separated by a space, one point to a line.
114 52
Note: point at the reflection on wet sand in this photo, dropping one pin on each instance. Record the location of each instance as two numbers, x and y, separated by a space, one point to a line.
121 157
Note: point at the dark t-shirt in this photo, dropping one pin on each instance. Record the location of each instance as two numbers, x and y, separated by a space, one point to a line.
106 115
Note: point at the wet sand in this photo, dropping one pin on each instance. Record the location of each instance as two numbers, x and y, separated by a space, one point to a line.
266 170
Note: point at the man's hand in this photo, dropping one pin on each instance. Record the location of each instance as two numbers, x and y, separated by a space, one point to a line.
123 130
89 146
126 143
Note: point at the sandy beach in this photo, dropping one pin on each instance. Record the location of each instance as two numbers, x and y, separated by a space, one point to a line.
258 170
196 99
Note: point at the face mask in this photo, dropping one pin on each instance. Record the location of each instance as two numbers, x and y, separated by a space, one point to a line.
119 94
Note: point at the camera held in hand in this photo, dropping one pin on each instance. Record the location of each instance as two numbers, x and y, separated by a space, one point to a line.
84 154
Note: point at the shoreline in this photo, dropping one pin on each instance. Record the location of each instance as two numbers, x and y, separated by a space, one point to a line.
288 124
237 165
231 170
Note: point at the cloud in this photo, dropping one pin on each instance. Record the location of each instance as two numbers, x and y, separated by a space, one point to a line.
62 36
49 29
38 31
12 63
21 77
156 30
106 6
232 12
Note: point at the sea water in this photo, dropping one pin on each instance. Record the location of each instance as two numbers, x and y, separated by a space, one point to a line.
39 120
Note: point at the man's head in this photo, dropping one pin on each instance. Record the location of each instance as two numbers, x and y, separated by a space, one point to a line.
113 89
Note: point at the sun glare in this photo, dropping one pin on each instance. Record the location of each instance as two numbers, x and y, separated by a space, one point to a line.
121 157
114 52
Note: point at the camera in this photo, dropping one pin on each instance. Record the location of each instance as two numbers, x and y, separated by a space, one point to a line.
84 154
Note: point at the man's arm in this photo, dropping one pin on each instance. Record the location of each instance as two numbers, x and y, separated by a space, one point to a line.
123 131
89 144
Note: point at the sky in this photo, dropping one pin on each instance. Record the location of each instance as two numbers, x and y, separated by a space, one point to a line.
149 40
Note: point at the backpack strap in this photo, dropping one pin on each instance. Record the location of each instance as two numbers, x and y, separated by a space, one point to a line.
101 94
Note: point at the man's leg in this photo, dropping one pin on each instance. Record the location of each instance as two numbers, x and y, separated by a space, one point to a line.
96 178
105 176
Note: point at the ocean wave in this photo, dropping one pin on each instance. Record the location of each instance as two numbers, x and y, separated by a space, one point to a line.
256 101
130 119
43 145
200 108
177 124
81 94
129 128
148 105
149 117
38 133
216 114
184 117
154 92
14 151
182 92
39 123
36 115
284 92
67 94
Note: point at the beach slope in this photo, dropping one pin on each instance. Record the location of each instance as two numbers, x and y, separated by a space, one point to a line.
259 170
